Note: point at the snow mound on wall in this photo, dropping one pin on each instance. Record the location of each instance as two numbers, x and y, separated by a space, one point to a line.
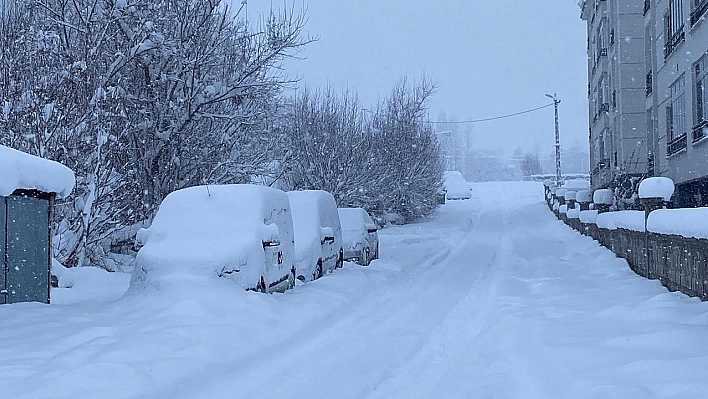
689 222
629 220
19 170
570 195
583 196
573 213
203 233
563 209
577 185
603 196
656 187
561 192
588 216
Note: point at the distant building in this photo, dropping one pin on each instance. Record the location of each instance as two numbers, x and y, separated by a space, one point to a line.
616 89
455 146
676 67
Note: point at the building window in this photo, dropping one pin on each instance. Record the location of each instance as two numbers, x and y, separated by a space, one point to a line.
701 99
676 117
673 23
698 8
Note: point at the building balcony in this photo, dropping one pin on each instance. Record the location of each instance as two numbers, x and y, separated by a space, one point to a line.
698 12
700 131
673 41
677 145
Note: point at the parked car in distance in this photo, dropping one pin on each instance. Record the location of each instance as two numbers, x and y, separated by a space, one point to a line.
318 233
360 235
241 232
456 187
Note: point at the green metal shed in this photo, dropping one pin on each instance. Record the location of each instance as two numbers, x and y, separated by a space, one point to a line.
28 188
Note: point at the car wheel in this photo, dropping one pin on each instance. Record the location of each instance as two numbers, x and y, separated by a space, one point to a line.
318 271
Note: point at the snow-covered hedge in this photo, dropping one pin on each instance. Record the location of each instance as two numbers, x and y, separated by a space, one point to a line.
19 170
691 223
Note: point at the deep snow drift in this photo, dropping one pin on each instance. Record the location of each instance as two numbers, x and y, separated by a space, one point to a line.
491 297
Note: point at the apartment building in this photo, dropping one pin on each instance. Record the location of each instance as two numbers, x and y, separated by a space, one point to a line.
616 90
676 65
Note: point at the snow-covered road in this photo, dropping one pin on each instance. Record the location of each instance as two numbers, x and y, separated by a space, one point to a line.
490 298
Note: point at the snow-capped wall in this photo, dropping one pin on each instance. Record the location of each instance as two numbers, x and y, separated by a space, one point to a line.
570 195
603 196
688 222
573 213
19 170
630 220
588 216
583 196
656 187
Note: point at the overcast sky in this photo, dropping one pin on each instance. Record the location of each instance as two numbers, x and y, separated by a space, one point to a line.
487 57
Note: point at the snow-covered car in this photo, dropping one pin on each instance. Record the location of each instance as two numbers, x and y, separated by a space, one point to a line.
318 233
360 235
456 187
240 232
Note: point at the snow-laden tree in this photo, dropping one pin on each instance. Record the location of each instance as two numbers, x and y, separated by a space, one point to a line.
388 164
407 155
141 98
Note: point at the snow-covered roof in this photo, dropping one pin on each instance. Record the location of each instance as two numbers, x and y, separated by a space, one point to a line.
656 187
19 170
687 222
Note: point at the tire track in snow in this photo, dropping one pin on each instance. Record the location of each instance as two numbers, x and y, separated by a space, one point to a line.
383 322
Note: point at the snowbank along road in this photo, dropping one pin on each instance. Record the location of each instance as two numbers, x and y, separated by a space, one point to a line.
490 298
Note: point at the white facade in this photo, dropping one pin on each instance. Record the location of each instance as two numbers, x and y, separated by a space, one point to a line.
616 89
677 52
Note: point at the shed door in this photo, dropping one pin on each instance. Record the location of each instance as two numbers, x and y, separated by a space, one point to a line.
27 249
3 269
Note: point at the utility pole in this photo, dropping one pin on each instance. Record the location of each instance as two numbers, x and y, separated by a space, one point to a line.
556 101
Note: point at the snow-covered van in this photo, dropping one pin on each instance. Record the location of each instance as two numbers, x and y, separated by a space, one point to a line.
239 232
360 235
318 233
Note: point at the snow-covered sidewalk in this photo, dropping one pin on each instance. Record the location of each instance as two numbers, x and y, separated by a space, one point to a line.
492 297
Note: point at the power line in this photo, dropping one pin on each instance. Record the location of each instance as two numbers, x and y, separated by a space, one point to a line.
497 117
